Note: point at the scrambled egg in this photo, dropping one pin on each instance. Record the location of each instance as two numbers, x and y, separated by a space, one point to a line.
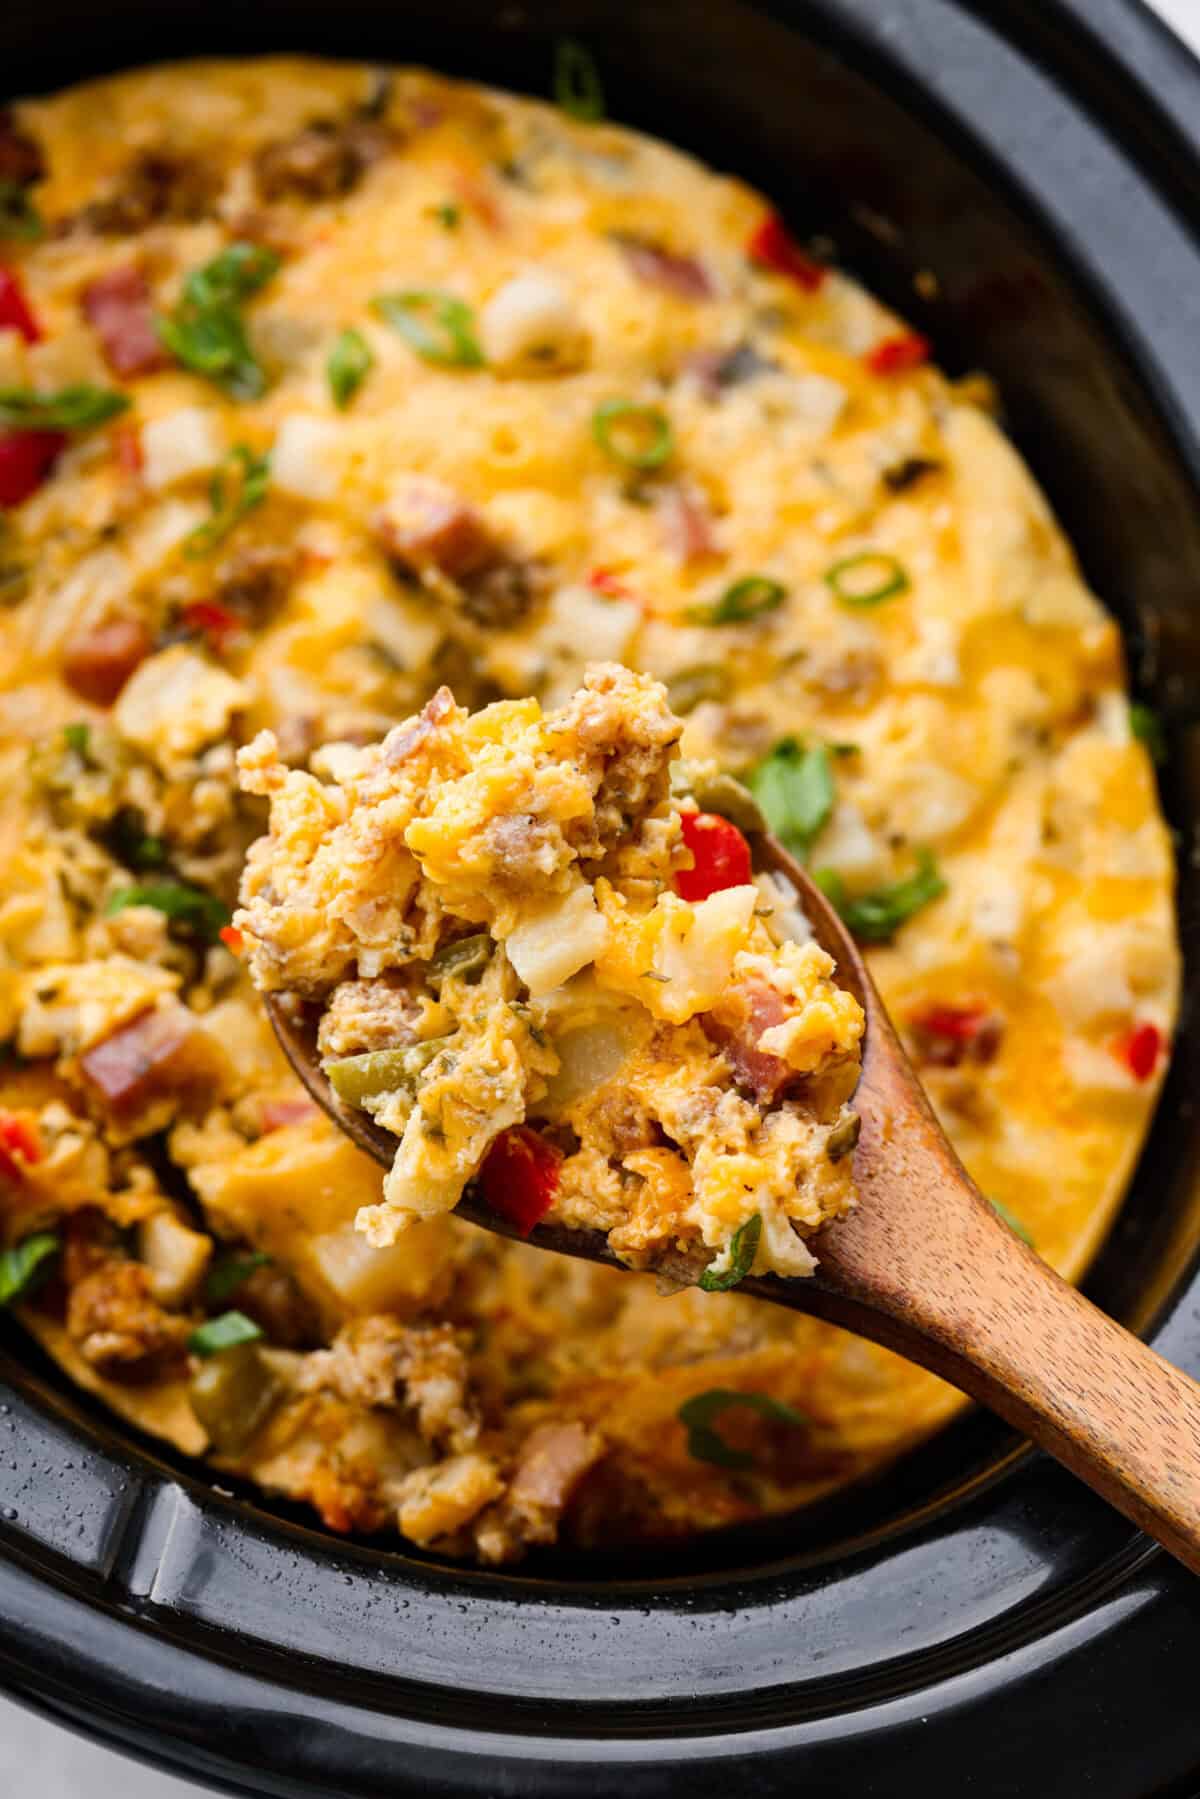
338 386
555 833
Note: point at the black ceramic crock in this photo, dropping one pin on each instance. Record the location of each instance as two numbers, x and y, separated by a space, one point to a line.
974 1622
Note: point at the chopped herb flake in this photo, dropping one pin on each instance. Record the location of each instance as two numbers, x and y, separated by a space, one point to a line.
76 738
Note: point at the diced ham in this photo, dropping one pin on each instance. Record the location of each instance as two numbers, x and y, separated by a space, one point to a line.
426 524
277 1114
685 522
97 663
744 1014
671 273
405 740
119 309
141 1059
554 1459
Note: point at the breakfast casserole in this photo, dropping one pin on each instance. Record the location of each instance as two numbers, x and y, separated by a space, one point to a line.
334 398
633 1043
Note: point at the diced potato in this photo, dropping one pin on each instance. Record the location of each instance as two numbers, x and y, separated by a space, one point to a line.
549 948
176 703
309 458
176 1257
399 1279
180 445
532 321
695 950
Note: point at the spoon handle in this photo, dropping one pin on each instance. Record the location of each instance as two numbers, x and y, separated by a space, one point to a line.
946 1283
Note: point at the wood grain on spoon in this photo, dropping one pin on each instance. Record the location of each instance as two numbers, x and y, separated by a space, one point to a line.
925 1266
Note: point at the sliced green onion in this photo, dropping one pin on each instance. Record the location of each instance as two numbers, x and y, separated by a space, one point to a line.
1147 727
66 409
578 88
206 332
867 579
743 1247
238 485
231 277
704 1441
745 599
76 738
350 362
200 912
876 917
226 1275
225 1332
1010 1219
448 215
639 437
794 787
25 1266
437 325
19 217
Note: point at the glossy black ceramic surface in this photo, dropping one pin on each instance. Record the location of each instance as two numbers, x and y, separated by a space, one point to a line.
975 1622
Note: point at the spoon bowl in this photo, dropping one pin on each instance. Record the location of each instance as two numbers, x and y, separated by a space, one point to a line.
925 1266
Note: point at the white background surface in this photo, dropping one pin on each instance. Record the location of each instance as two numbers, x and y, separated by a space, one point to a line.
40 1761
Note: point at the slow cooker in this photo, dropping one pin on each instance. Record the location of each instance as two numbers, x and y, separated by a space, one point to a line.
974 1620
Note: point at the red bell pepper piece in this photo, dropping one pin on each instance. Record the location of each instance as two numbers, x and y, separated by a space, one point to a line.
26 458
519 1177
773 246
1140 1049
720 853
897 355
20 1144
16 314
214 621
602 580
231 937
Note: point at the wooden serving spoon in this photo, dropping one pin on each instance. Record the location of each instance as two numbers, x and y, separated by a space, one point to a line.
924 1265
